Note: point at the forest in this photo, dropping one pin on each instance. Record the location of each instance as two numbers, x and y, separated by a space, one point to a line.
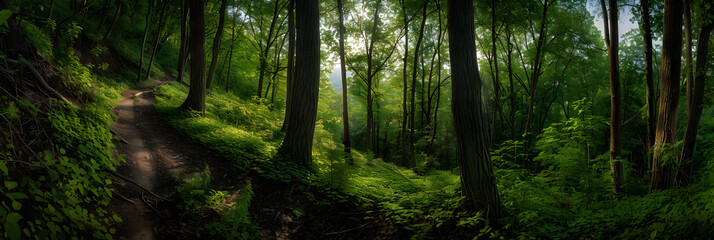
356 119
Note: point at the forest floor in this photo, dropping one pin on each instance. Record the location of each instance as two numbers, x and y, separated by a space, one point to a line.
154 151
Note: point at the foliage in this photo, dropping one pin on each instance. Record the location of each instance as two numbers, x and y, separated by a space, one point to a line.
196 196
236 223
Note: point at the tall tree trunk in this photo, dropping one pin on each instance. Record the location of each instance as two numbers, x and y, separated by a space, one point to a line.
266 50
412 140
291 64
52 8
143 42
299 135
343 70
183 50
230 61
114 21
535 74
403 135
695 107
370 50
477 180
612 39
649 75
196 99
512 113
216 48
496 82
688 68
155 43
438 80
662 177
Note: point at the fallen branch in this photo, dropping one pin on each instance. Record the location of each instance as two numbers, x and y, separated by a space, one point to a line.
23 61
152 207
139 185
344 231
119 136
124 198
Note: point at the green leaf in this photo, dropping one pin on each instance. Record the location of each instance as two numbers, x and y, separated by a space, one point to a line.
10 185
17 195
4 15
3 167
16 205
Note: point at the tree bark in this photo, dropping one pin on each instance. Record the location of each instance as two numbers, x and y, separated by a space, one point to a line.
662 177
291 64
496 82
370 49
535 73
299 135
183 50
266 51
143 42
688 56
343 70
216 48
477 180
649 75
612 39
403 135
114 21
695 107
196 99
155 43
412 140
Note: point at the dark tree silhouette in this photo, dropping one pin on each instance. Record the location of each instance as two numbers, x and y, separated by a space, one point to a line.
299 133
477 180
196 99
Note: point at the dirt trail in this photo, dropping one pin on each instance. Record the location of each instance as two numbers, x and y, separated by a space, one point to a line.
153 151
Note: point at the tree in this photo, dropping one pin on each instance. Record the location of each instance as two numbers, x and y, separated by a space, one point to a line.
196 99
291 64
155 44
184 48
412 140
345 115
299 134
216 47
477 180
143 42
612 42
662 177
649 75
695 94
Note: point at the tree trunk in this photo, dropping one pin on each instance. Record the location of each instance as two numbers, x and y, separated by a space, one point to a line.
649 75
183 50
496 83
216 48
143 42
370 112
345 115
512 113
155 43
291 64
299 135
612 39
662 177
535 74
695 107
412 140
438 80
403 135
114 21
477 180
196 99
266 51
688 56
